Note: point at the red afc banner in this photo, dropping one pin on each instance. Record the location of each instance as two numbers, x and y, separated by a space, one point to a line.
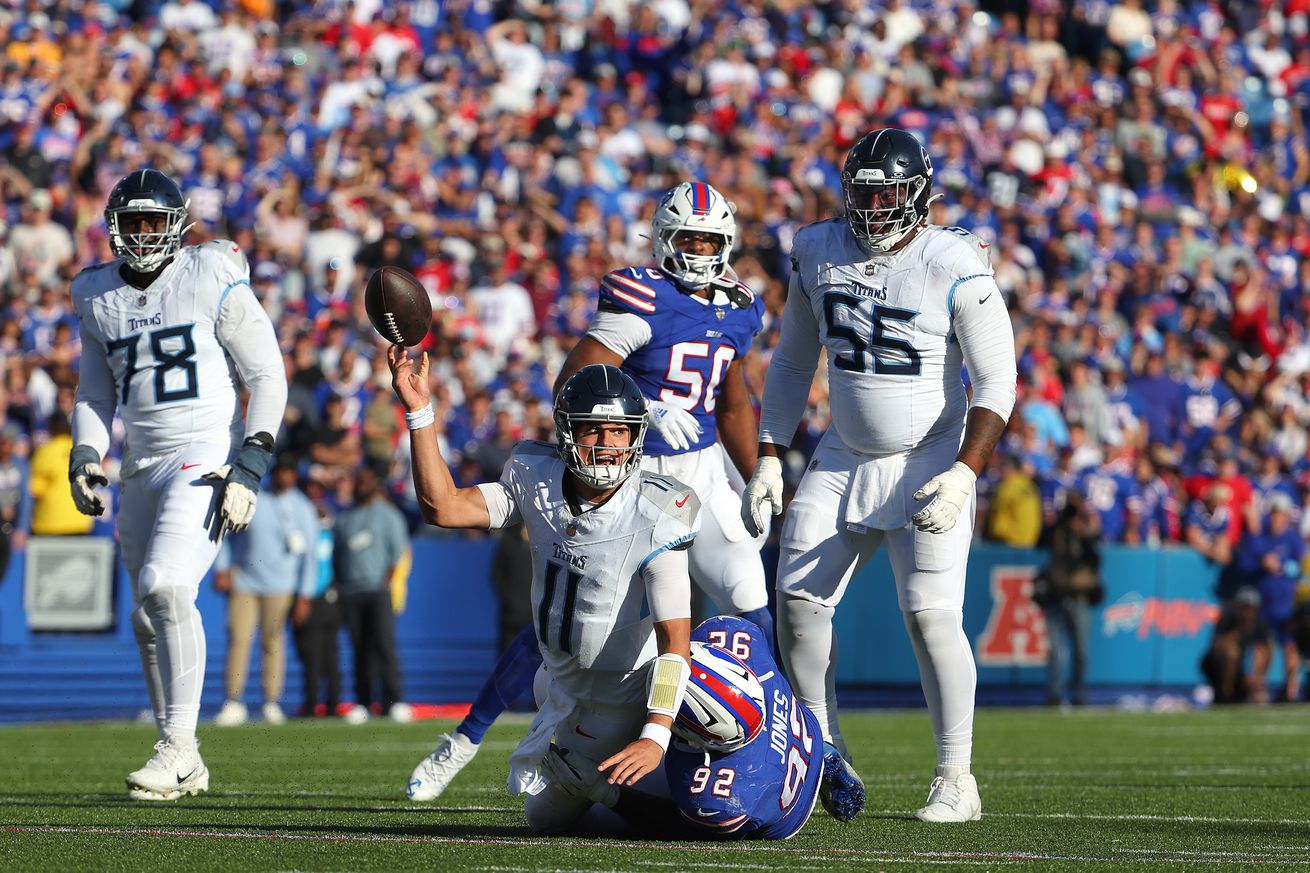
1015 635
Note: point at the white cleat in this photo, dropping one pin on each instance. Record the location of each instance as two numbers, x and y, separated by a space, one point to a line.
174 770
437 770
356 714
952 799
273 714
231 714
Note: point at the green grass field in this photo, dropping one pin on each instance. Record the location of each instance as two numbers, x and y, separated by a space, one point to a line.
1090 789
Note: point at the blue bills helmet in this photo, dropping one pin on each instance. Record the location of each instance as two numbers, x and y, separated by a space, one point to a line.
887 183
153 193
600 393
723 707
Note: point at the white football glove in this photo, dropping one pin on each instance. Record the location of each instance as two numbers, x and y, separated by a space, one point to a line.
952 488
237 505
678 426
765 486
85 479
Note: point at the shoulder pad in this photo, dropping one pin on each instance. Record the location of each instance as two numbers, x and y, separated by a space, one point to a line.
85 281
535 449
627 290
739 293
671 496
230 252
815 234
963 251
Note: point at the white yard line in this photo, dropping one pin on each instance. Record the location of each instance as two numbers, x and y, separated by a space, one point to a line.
721 849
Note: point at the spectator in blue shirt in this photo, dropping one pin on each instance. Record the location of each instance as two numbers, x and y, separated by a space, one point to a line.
1163 400
1205 527
370 538
263 569
1272 558
1108 493
1210 407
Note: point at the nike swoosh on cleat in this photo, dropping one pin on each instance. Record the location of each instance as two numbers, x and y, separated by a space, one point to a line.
181 778
683 502
189 466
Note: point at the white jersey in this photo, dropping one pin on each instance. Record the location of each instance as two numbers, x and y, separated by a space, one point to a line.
589 595
167 356
897 329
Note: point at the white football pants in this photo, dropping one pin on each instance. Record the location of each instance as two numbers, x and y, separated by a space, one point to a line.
165 526
820 552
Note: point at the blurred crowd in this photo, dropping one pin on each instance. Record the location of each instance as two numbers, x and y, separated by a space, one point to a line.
1140 171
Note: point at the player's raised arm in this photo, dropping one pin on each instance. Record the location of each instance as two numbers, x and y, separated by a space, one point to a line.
441 502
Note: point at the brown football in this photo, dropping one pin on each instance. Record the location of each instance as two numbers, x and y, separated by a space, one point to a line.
398 305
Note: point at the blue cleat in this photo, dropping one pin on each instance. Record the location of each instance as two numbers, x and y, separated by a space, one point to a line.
840 790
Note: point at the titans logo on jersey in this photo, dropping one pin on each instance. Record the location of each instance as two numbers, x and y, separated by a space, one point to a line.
692 342
766 789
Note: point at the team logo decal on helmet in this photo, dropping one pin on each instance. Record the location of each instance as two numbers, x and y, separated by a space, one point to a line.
148 192
887 183
692 207
723 708
600 393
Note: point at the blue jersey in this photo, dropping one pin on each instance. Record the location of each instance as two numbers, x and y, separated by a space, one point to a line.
692 343
766 789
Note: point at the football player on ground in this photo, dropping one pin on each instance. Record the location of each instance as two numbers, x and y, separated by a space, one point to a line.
680 329
166 330
899 304
611 597
748 757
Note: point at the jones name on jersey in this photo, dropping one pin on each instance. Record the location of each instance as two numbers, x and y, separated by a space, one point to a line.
677 346
167 356
588 596
897 329
767 788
